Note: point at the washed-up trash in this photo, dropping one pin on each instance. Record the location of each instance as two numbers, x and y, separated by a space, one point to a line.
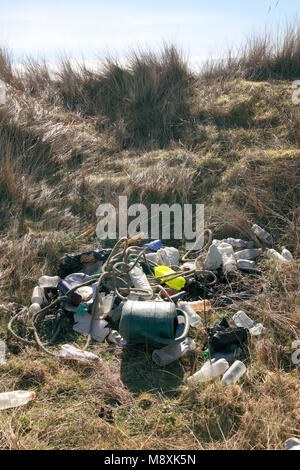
234 373
246 264
151 321
177 283
49 281
231 352
292 444
74 263
139 279
287 254
154 245
188 266
242 320
15 398
151 257
261 233
37 295
82 324
70 352
229 265
248 254
64 288
209 371
213 259
172 352
194 318
238 243
222 335
200 305
168 256
2 352
115 337
37 299
274 255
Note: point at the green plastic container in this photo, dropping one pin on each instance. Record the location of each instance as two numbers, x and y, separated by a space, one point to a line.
144 322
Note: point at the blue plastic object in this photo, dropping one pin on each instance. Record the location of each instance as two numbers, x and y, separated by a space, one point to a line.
155 245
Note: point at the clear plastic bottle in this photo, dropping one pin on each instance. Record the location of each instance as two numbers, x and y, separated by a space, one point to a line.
248 253
287 254
261 233
246 264
209 371
257 330
37 295
172 352
49 281
238 243
70 352
16 398
195 320
213 259
228 259
242 320
273 254
233 374
2 352
34 308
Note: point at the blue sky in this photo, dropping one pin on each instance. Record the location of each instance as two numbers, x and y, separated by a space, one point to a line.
93 27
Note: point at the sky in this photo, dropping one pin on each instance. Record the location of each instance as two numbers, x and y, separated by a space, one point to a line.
91 29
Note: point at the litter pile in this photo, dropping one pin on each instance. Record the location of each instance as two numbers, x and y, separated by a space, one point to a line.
134 294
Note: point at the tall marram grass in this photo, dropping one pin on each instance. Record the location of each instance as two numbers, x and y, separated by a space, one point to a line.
146 100
269 55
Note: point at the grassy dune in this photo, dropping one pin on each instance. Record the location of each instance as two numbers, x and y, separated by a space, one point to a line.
156 132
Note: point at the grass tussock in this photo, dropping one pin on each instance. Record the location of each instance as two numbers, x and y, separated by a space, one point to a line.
271 55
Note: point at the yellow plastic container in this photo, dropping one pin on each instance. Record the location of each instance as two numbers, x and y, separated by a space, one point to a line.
176 284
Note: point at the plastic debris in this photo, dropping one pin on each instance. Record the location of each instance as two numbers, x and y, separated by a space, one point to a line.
70 352
15 398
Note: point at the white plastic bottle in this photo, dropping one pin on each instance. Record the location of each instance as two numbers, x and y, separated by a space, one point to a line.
34 308
194 318
49 281
246 264
37 295
16 398
139 279
2 352
172 352
234 372
287 254
248 253
261 233
213 259
70 352
228 259
273 254
209 371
